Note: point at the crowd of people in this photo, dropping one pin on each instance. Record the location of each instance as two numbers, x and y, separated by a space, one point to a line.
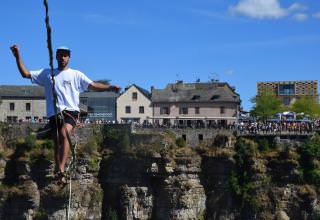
298 127
243 127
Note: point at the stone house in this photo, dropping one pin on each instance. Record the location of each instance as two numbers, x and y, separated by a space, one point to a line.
27 103
195 104
22 103
134 105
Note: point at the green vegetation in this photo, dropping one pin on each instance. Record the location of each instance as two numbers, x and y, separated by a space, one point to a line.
266 105
220 140
180 142
307 105
30 142
3 128
41 214
171 134
111 214
116 139
202 215
309 160
241 180
265 144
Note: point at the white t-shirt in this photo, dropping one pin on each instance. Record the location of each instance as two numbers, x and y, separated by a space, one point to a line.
68 85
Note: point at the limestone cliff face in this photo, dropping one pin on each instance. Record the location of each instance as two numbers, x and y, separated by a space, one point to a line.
153 187
30 192
155 179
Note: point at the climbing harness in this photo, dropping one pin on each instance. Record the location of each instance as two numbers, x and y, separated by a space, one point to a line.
72 165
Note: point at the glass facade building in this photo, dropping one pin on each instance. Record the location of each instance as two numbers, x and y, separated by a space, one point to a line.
100 106
289 91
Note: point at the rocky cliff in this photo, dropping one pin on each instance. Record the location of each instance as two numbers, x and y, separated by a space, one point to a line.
120 175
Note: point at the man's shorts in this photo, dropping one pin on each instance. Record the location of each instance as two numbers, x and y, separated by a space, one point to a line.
67 117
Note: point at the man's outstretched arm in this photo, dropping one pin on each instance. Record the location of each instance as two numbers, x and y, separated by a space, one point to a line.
22 69
103 87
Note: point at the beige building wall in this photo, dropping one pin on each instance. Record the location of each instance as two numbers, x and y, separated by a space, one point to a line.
126 100
206 110
37 108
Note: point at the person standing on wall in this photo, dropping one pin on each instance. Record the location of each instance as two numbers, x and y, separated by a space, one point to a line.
68 85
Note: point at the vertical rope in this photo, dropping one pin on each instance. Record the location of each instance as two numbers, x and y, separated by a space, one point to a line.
49 46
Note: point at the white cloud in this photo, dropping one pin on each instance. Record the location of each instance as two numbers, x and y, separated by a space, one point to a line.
316 15
264 9
300 17
297 7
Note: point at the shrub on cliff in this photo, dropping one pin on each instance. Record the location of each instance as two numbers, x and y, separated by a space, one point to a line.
116 139
111 214
180 142
220 140
241 180
30 142
309 160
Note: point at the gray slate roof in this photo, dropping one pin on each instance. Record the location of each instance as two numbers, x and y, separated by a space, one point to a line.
9 91
145 92
196 92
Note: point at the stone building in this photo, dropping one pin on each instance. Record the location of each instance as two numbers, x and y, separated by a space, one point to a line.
134 105
289 91
22 103
27 103
195 104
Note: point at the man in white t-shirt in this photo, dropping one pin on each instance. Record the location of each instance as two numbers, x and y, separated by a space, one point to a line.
68 85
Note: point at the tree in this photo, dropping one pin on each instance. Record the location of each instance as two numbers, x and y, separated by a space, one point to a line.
307 105
266 105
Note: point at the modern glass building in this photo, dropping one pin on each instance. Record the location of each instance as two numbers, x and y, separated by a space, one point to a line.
289 91
100 106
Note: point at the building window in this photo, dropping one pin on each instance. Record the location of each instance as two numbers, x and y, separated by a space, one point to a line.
183 110
128 109
288 89
222 110
164 111
200 137
11 106
197 110
28 106
141 109
134 96
12 119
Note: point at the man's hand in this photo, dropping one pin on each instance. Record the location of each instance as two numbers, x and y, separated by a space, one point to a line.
22 69
96 86
15 50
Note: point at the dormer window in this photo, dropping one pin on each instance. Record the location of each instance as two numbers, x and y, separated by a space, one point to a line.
195 97
214 97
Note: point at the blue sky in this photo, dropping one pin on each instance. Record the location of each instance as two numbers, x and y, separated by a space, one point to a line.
152 43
